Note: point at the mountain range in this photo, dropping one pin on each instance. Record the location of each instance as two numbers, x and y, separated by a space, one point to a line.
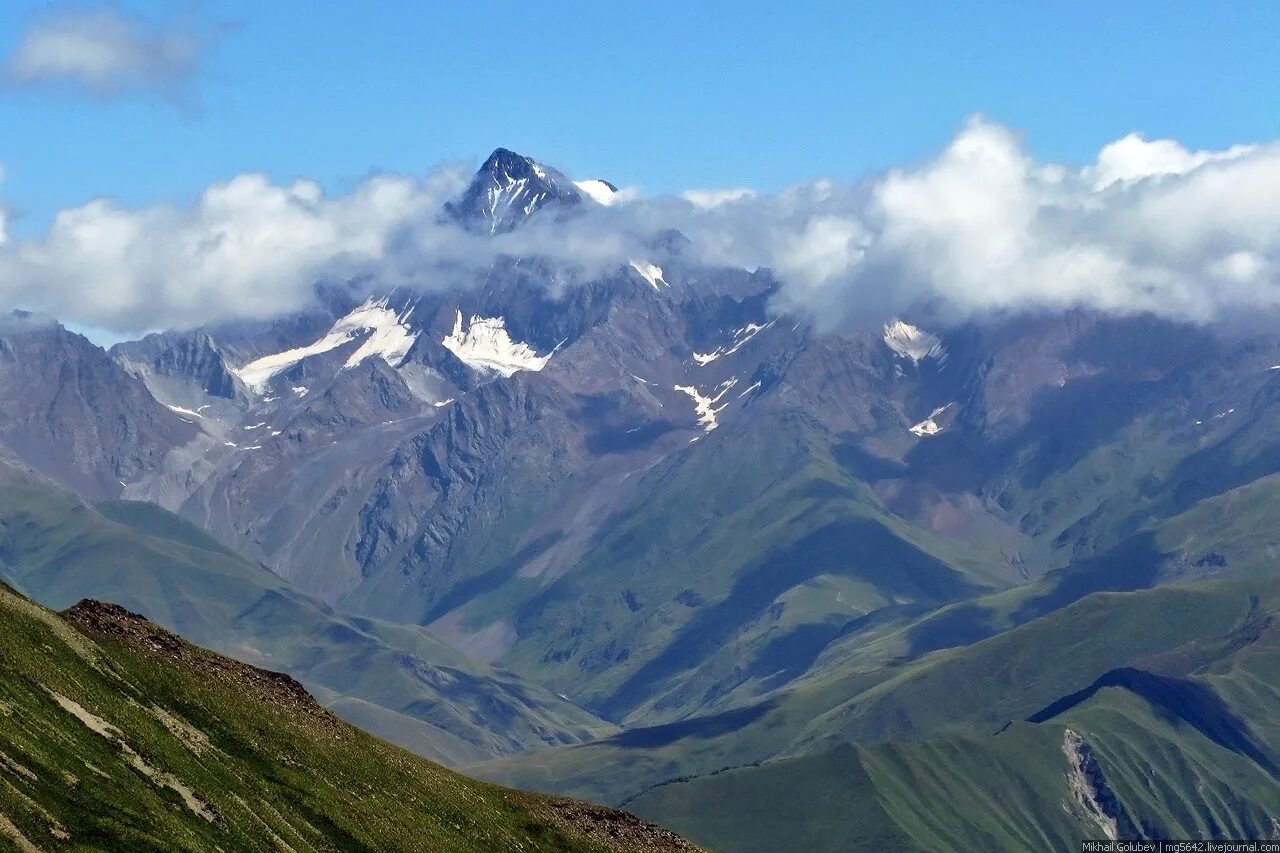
648 539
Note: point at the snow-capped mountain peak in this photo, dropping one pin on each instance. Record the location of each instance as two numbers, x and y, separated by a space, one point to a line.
507 189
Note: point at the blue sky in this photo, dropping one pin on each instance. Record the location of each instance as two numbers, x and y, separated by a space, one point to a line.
663 95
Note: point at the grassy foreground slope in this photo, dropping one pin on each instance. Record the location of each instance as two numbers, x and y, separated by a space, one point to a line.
116 734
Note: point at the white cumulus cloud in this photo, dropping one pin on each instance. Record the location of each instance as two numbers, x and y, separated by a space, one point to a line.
245 248
1148 226
1133 158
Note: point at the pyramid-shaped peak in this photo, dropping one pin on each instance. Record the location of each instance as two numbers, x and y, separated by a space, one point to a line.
504 160
507 189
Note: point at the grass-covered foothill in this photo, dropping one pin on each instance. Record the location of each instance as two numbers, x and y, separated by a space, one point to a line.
118 735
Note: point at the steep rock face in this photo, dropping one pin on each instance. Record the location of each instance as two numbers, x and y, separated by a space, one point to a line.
522 473
1090 795
191 356
279 487
351 502
458 495
1024 361
363 396
74 413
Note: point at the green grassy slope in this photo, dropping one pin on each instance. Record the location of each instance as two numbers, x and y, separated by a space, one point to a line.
968 691
724 574
58 549
117 735
1225 536
1185 746
979 688
893 796
968 667
801 804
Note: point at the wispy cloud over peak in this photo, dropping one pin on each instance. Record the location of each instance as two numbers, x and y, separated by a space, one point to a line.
714 198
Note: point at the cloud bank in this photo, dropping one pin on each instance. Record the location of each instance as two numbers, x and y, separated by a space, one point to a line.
245 248
106 52
1149 226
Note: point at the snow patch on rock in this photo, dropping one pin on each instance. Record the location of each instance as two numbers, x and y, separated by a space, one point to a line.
705 406
930 425
908 341
388 337
651 273
485 344
740 339
598 191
